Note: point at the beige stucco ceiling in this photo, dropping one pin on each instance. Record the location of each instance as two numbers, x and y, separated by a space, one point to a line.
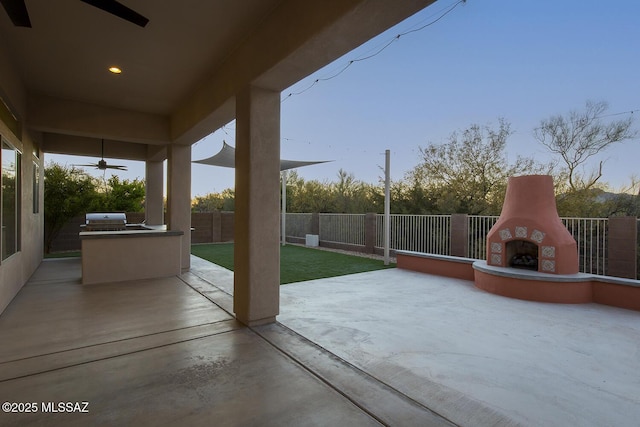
67 51
181 71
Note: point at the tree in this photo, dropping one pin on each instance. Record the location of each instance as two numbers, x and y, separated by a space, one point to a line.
353 196
469 173
314 196
409 196
223 201
346 195
579 136
345 191
68 192
122 196
625 201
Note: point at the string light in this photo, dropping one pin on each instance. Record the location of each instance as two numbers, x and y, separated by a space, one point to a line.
385 45
223 128
618 114
377 50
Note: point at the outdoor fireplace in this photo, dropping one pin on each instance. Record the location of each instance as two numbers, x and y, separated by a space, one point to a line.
529 233
530 253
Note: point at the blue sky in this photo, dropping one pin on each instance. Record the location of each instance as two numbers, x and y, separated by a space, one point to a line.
523 60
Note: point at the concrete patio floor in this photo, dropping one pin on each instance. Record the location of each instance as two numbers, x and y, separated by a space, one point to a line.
476 358
390 347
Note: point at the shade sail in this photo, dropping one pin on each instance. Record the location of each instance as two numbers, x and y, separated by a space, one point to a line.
226 158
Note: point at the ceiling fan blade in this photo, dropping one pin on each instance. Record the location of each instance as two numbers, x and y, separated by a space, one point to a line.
118 167
17 11
118 9
89 165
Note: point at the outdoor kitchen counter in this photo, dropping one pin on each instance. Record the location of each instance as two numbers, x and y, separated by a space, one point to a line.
118 234
134 254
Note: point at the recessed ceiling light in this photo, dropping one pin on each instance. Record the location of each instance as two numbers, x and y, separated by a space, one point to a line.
115 70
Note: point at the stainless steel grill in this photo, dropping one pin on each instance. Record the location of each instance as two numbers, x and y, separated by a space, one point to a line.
105 221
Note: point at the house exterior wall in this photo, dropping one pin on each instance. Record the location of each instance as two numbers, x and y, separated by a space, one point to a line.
16 269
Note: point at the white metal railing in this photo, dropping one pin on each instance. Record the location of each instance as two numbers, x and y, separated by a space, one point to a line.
479 227
299 224
419 233
432 234
343 228
591 236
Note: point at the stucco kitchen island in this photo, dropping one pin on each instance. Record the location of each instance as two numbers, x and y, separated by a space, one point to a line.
116 256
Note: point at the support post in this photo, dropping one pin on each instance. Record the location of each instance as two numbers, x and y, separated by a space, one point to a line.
257 250
154 193
179 197
387 205
284 207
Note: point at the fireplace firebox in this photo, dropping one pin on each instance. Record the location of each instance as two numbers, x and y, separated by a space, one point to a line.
522 254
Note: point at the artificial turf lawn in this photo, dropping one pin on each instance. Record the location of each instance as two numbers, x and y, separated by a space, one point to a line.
297 263
71 254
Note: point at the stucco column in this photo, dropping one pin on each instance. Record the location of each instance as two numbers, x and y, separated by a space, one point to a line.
257 211
622 238
153 205
460 235
179 196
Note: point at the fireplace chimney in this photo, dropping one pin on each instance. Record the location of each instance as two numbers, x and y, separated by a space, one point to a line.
529 232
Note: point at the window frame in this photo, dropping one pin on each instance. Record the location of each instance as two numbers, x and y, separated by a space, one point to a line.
36 181
15 246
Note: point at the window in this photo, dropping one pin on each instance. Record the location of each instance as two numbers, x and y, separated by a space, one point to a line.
36 187
10 200
36 181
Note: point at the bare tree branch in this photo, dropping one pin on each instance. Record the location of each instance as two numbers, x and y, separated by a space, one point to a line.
581 135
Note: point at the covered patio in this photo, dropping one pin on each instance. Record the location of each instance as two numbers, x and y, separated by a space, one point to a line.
77 76
209 346
393 347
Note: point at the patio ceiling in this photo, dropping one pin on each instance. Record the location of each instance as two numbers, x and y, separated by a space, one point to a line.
180 72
